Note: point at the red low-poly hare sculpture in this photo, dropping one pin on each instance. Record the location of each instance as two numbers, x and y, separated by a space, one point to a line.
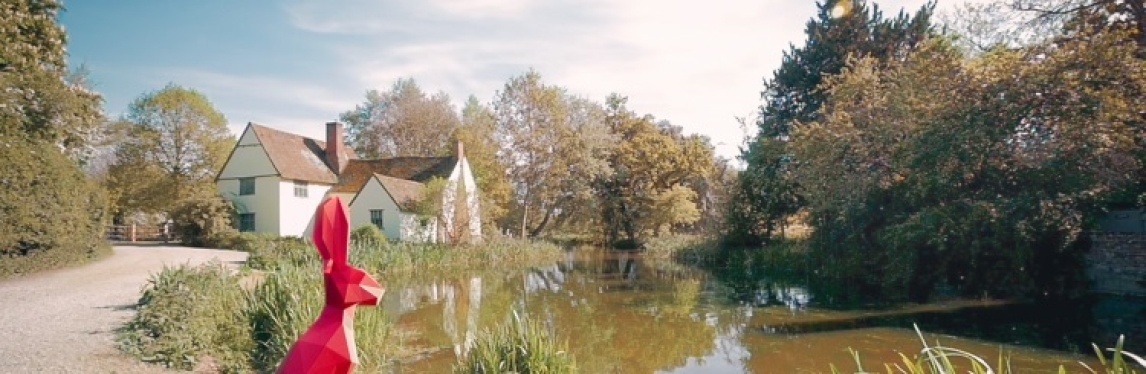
328 346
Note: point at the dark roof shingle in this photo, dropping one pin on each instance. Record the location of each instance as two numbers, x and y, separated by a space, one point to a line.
406 193
417 169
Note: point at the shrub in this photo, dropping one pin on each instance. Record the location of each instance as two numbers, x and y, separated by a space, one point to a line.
269 252
51 214
203 222
187 314
521 346
368 235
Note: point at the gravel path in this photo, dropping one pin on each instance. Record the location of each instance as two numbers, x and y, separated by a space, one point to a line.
64 321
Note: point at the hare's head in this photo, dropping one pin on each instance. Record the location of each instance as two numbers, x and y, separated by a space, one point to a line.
345 285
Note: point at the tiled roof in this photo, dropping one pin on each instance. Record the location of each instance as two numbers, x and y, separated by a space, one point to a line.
417 169
406 193
298 157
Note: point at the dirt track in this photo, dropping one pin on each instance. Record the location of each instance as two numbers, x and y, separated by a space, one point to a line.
64 321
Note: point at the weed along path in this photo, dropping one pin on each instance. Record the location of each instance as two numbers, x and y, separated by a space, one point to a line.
64 321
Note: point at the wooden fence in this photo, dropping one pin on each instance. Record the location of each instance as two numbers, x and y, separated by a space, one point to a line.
141 233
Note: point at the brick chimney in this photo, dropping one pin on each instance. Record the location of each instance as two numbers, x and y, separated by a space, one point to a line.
335 147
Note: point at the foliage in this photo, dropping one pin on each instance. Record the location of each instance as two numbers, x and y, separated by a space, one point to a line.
176 146
645 193
187 314
766 194
481 148
368 235
521 346
199 222
549 141
980 177
401 122
40 99
51 214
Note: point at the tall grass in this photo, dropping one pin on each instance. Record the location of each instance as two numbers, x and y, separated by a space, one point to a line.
520 346
945 360
188 314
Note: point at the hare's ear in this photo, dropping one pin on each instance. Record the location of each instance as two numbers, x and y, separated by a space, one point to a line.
332 231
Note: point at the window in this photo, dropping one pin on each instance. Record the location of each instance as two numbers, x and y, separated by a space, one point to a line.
246 222
376 217
299 189
246 186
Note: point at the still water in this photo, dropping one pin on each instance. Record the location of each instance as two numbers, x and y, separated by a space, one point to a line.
621 313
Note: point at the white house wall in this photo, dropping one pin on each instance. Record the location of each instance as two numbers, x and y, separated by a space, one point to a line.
297 213
264 203
374 196
413 230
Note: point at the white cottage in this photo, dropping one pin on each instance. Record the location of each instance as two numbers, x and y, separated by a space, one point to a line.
276 180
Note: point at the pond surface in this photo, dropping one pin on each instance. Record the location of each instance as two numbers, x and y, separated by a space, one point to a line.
621 313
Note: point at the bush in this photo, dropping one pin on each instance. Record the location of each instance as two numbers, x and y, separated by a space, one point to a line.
269 252
203 222
368 235
188 314
521 346
51 214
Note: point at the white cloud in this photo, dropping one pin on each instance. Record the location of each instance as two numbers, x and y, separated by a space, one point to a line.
697 64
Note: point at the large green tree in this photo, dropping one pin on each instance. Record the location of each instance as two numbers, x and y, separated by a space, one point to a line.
549 142
402 121
177 143
654 172
794 96
979 175
51 213
40 98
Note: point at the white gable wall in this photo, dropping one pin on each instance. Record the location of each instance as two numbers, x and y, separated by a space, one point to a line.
264 203
249 160
374 196
461 174
296 213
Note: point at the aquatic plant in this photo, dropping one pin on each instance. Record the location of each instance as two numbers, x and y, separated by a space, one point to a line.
521 346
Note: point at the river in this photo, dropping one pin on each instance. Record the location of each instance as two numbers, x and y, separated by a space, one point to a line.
622 313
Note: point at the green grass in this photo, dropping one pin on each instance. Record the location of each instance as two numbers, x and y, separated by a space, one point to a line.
520 346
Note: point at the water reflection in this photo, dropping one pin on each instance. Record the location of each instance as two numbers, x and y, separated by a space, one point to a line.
623 314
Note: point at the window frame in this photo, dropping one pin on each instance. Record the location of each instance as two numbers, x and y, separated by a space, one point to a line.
378 220
248 182
303 187
240 220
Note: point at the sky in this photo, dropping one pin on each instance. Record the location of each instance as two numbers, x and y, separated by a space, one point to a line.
297 64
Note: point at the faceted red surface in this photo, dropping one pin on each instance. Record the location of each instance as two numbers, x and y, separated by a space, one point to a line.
328 346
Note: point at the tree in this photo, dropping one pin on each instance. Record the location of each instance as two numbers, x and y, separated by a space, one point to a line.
978 28
403 121
477 134
51 213
178 142
41 99
793 96
647 191
548 141
977 174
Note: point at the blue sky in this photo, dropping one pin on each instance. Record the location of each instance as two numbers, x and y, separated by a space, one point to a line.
297 64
